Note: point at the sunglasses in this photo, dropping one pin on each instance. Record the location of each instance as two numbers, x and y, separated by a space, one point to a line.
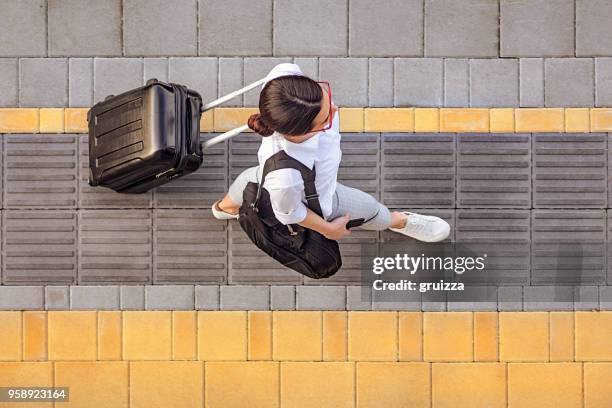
327 88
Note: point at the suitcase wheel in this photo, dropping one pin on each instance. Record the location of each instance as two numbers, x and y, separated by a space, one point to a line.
108 97
152 81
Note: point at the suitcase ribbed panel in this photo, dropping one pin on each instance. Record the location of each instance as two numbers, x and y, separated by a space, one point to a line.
115 246
243 154
494 170
201 188
249 264
40 171
418 170
569 170
190 246
504 236
99 197
351 250
39 247
118 133
359 164
568 246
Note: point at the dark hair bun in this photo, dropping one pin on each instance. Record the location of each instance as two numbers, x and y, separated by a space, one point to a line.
257 124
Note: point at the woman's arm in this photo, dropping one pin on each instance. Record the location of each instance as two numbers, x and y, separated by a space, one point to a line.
335 229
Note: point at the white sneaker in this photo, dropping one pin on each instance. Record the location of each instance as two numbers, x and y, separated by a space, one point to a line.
426 228
220 214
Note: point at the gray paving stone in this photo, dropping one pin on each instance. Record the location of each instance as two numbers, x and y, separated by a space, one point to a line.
504 236
84 27
418 170
396 300
605 297
603 82
380 82
41 247
531 82
473 298
494 82
321 297
568 247
398 30
200 188
239 297
592 27
155 68
230 79
569 82
358 298
282 297
586 298
9 82
548 298
199 74
26 160
207 297
348 78
419 82
43 82
537 28
189 246
113 76
132 297
255 69
22 297
23 28
309 66
456 82
160 28
94 297
115 246
169 297
466 28
569 170
494 170
509 298
433 302
80 82
235 27
323 38
57 298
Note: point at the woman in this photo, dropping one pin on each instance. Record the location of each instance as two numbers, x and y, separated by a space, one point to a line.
298 115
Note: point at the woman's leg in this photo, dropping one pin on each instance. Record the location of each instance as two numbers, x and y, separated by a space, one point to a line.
233 199
359 204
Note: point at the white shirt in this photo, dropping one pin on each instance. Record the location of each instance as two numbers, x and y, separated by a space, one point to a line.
285 186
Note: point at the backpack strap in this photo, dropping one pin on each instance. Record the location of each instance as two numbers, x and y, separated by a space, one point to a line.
281 160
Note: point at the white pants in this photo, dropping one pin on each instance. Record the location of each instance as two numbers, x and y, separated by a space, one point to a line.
346 199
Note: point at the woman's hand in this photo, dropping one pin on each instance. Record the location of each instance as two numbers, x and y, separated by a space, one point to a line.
336 228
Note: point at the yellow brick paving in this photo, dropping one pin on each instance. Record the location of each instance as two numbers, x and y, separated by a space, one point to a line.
310 358
431 120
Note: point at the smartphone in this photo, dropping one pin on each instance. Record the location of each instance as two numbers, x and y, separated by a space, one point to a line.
354 223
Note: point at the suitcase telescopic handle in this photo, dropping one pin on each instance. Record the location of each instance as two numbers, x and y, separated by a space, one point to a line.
232 95
236 131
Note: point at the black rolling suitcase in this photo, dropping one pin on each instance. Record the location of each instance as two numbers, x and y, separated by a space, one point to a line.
149 136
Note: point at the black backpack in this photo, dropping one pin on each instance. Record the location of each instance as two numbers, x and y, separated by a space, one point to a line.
301 249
